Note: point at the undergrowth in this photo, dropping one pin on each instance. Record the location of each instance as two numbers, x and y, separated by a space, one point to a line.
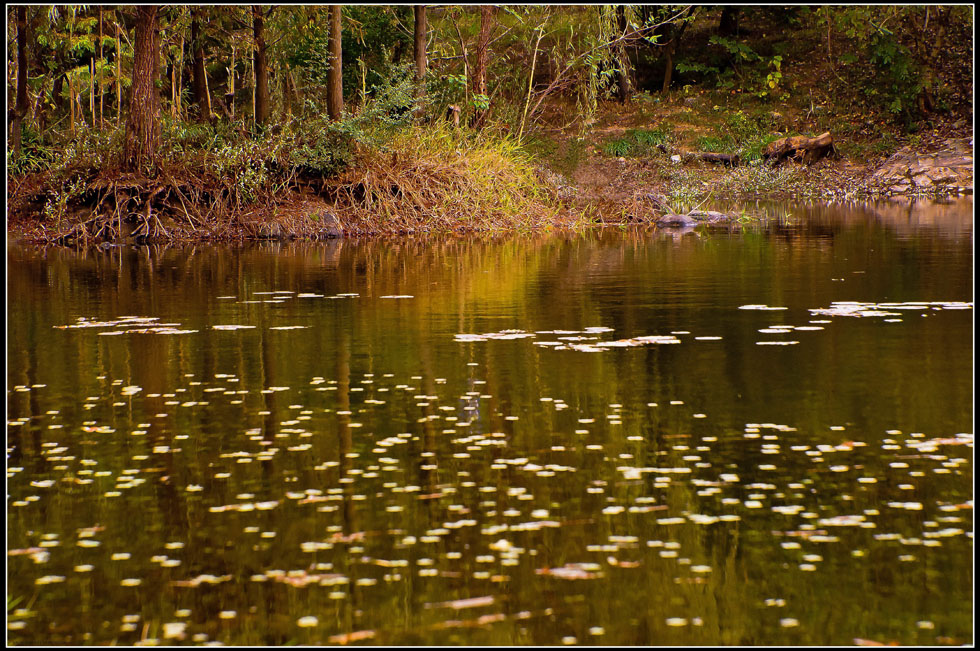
744 133
381 174
637 143
442 179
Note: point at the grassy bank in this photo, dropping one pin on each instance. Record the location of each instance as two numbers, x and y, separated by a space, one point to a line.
303 179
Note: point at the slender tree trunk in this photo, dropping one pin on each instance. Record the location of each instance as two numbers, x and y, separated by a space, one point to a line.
482 59
101 60
180 79
71 103
91 92
199 82
669 70
172 73
261 66
296 93
625 82
230 95
283 77
466 64
143 124
335 87
118 74
207 95
40 112
71 77
20 108
58 84
421 27
530 83
675 37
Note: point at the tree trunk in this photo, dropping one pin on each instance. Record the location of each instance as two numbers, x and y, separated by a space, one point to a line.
421 27
199 81
675 37
230 95
480 69
20 109
40 112
91 91
143 124
101 62
728 24
71 103
171 74
284 89
58 86
335 86
295 87
118 72
623 67
180 80
261 66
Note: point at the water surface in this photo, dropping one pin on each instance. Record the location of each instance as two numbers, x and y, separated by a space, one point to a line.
604 438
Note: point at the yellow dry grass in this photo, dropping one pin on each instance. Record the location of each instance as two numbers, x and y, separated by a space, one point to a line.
442 179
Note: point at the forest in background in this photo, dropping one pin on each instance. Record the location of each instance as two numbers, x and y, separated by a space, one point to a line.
181 119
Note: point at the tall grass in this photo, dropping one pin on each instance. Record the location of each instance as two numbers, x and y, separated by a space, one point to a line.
440 178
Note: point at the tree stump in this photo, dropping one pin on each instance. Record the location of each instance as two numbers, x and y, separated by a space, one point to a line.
799 148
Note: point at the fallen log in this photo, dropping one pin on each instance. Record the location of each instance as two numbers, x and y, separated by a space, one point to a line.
799 148
729 160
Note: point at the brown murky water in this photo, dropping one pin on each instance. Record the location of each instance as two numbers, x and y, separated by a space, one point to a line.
618 437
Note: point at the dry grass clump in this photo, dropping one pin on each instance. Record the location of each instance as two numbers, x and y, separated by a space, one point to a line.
441 179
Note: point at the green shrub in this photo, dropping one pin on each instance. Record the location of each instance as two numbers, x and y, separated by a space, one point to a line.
718 144
639 142
34 156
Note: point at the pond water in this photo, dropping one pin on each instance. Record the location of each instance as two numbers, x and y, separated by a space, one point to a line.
627 437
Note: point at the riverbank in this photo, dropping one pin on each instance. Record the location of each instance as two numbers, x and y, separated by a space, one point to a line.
633 166
296 182
651 148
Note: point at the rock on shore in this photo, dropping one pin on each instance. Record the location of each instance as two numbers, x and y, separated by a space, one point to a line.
948 167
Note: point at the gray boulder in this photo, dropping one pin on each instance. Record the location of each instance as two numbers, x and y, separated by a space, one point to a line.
677 221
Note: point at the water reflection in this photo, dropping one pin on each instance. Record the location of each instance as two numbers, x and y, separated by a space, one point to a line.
370 477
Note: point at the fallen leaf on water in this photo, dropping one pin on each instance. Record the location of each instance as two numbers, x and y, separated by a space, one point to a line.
344 638
569 572
459 604
482 620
